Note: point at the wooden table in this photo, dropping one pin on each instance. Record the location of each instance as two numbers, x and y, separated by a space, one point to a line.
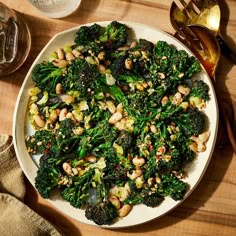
211 208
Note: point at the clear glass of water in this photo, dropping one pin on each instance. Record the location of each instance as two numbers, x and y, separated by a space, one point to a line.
15 40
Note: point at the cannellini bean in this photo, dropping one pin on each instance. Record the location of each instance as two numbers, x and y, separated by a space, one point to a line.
135 174
128 64
124 210
203 137
139 87
158 180
133 44
59 88
184 90
115 117
201 147
62 114
67 168
164 100
177 99
193 147
60 54
40 122
101 56
91 158
153 129
138 161
75 171
70 56
77 54
60 63
115 201
161 75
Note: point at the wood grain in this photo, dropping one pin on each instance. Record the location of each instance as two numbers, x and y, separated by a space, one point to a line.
211 208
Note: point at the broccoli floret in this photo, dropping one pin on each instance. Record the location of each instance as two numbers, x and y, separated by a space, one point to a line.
114 36
87 34
47 177
200 89
103 214
87 37
171 186
80 75
46 76
175 63
42 137
145 45
192 122
152 200
77 193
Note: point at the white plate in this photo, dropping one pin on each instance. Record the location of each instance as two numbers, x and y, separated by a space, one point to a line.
141 213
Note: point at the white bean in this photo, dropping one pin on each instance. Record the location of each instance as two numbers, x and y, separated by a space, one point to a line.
40 122
60 54
59 88
184 90
138 161
203 137
115 117
153 129
67 168
62 114
135 174
124 210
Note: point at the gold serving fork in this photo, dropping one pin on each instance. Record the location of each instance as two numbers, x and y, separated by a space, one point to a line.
202 12
202 42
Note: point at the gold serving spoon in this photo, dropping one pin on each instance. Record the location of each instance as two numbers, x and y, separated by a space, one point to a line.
202 12
202 42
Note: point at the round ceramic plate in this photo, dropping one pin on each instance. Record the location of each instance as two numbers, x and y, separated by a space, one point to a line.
140 213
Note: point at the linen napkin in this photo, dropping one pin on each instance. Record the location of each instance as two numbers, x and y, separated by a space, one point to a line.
16 218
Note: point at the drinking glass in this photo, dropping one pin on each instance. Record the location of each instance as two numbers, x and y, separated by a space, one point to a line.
15 40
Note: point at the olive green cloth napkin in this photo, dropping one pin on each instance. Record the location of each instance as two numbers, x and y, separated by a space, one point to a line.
16 218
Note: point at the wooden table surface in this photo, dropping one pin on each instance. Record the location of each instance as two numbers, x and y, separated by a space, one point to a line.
211 208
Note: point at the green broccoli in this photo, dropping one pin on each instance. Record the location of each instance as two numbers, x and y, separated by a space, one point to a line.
171 186
191 122
103 214
152 200
87 34
46 76
77 193
200 89
114 36
79 76
48 174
